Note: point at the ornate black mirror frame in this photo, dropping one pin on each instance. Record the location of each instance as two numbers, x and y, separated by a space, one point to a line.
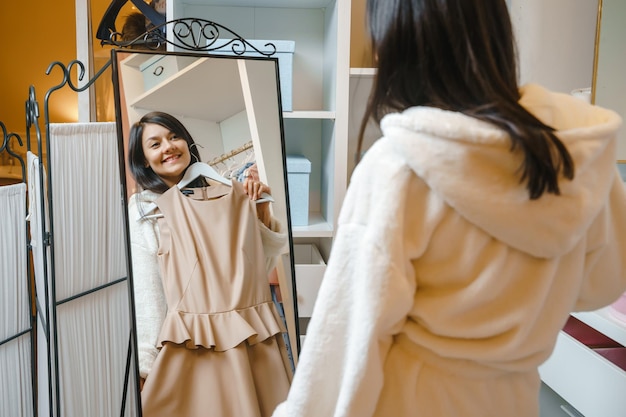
202 39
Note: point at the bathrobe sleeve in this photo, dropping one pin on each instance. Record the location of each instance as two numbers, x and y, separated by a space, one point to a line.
605 270
150 302
366 293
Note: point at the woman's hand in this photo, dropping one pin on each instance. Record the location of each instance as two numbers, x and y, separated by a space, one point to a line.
254 189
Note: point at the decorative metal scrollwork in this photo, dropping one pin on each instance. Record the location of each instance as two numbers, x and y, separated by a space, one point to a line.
81 74
32 119
6 145
191 34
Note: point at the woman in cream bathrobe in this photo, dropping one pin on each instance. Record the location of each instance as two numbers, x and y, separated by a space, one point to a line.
454 268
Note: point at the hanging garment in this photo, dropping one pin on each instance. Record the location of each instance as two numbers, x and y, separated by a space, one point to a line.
84 271
221 343
16 393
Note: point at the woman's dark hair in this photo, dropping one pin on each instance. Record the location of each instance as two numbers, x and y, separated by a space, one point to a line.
460 55
144 175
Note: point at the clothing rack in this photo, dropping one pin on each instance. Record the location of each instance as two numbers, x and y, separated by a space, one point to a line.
30 330
230 154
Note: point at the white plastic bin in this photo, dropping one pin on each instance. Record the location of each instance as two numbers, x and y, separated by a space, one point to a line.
298 173
310 268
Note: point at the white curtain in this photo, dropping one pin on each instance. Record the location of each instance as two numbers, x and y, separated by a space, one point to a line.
86 221
16 384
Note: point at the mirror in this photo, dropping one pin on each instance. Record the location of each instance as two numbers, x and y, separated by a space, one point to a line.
230 105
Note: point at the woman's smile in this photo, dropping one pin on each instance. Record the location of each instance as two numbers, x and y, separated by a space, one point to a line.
166 153
170 159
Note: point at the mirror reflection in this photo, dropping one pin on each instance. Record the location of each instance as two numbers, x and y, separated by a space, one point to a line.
212 273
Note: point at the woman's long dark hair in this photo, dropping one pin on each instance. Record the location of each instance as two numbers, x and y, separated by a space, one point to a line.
144 175
460 55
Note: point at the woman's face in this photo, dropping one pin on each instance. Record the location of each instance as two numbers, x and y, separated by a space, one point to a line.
166 153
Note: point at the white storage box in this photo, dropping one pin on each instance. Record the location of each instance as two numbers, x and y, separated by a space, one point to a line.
160 67
298 173
284 53
310 268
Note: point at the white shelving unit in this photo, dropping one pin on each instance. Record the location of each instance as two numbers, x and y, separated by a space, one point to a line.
585 379
317 126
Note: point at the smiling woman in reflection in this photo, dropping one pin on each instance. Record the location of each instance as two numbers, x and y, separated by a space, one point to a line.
209 336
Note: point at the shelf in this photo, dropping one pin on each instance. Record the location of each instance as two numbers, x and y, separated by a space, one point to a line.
208 87
604 322
135 60
362 72
318 227
330 115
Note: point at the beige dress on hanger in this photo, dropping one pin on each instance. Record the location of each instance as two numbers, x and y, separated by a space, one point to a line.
222 352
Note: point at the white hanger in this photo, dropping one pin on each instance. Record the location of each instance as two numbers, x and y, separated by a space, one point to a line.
201 169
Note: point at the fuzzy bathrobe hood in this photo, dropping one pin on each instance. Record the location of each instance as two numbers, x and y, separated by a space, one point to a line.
469 164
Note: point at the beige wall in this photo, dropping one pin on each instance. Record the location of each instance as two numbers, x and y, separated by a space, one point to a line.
555 42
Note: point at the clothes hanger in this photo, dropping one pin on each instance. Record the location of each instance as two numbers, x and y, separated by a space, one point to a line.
249 156
195 170
107 24
231 167
202 169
